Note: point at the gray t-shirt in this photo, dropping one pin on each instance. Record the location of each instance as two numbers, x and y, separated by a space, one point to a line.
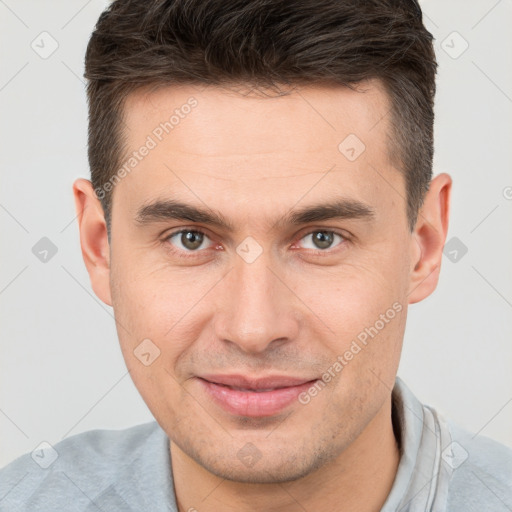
442 468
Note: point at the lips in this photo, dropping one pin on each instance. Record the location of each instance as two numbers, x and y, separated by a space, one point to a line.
254 397
256 383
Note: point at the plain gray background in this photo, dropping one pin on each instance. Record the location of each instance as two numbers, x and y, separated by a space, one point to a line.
61 367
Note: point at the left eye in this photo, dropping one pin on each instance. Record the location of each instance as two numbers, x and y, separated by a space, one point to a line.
189 240
321 240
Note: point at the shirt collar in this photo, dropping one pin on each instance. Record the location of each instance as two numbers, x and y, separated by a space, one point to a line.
421 480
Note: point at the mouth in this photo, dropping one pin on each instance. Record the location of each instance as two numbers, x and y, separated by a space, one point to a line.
254 397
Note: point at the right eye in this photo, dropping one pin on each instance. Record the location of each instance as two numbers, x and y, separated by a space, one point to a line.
188 240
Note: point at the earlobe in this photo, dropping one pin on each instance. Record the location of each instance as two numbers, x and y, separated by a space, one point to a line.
93 238
428 239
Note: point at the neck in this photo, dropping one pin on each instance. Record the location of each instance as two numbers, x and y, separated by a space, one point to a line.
360 479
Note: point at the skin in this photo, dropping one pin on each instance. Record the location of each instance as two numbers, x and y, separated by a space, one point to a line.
292 311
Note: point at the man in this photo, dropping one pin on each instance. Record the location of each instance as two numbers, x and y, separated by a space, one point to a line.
261 213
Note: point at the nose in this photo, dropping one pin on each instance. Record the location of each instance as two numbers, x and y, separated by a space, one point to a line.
256 309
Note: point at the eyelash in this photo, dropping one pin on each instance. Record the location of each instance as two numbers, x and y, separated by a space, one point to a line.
192 254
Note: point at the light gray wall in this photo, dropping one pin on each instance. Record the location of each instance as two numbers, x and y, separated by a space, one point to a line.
61 367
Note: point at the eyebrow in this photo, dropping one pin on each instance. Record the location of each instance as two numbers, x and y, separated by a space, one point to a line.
171 209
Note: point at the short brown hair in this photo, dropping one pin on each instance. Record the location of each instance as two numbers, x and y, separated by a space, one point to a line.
264 43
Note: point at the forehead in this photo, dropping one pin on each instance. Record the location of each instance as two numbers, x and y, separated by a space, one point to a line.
221 119
316 140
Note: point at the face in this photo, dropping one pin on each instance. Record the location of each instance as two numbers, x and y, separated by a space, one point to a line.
260 269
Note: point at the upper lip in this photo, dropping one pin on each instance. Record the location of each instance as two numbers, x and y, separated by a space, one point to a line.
269 382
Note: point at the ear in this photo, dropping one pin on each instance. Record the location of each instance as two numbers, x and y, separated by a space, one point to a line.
429 237
93 238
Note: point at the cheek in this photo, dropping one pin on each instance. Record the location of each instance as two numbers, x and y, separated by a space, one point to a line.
163 306
145 296
360 309
348 298
148 312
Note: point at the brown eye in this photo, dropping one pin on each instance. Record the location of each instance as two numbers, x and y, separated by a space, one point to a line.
187 240
321 240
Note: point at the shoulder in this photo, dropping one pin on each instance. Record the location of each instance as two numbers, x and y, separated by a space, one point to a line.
481 471
71 472
452 468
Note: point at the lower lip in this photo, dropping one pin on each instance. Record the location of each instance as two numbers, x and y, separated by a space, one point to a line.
251 403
